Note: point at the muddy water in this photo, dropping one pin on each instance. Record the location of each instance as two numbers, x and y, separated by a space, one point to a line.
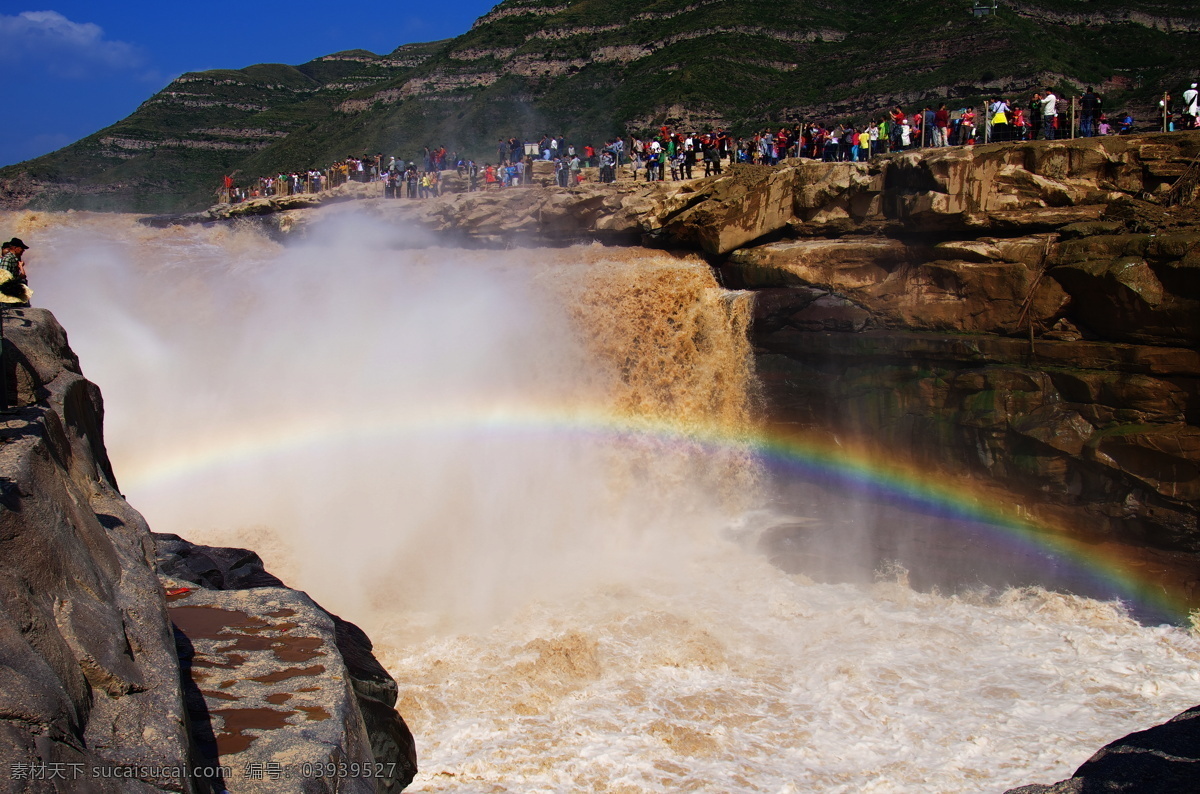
521 473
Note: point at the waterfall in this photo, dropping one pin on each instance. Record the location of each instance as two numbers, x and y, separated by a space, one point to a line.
528 475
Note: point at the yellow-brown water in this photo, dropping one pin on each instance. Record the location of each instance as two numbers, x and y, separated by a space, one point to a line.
426 442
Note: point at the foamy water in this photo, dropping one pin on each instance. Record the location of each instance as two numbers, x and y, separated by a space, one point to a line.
413 438
736 678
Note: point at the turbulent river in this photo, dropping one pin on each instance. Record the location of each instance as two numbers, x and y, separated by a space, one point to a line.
520 473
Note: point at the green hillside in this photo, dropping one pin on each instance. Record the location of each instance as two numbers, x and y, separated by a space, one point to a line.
592 69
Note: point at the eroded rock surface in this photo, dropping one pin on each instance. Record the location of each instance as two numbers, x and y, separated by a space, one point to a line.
268 694
274 648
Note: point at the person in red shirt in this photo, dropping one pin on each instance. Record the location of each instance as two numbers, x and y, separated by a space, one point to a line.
897 116
941 122
967 128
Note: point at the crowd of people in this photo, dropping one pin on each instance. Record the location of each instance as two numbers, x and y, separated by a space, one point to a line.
688 154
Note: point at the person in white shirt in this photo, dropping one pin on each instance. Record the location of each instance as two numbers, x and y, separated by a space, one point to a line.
1049 114
1191 106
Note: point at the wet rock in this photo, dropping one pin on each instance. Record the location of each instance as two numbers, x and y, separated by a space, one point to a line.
1124 299
1063 330
1161 759
1166 458
1103 429
211 567
773 308
831 313
1058 428
845 264
1088 229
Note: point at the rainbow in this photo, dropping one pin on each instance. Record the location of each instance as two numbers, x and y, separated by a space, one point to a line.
1111 567
823 460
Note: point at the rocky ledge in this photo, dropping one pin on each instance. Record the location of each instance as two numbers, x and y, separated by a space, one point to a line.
138 663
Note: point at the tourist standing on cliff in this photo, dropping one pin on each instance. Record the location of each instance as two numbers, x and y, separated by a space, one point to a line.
1000 130
1191 108
970 126
895 120
1049 114
14 290
1035 116
1089 111
941 123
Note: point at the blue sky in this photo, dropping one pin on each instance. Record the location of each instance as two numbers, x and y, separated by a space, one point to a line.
71 67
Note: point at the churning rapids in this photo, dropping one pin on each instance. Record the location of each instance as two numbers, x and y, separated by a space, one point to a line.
487 460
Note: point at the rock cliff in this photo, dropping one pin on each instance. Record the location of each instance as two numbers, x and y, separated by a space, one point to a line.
273 689
1028 312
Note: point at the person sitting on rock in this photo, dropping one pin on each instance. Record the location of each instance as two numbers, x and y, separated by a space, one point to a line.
14 289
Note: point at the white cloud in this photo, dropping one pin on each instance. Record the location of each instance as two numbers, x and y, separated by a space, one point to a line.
47 40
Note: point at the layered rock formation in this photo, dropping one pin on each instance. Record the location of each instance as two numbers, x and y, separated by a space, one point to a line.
91 693
1021 311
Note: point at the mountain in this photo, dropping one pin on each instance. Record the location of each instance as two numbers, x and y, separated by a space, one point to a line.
593 69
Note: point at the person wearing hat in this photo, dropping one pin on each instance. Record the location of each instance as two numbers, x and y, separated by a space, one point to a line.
13 289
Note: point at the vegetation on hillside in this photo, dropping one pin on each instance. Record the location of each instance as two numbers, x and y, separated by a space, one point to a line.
592 69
